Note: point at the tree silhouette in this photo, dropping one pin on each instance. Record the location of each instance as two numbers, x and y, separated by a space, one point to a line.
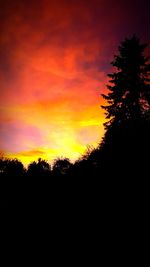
39 168
129 94
126 142
11 167
61 166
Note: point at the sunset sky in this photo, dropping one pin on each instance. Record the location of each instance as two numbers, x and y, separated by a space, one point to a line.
54 58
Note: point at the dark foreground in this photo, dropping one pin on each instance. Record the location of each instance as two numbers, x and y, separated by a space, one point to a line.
116 174
4 203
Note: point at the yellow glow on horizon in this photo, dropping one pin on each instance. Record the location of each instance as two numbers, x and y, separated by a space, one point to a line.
66 144
73 152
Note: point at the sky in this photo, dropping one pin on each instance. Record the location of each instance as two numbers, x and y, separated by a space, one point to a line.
54 59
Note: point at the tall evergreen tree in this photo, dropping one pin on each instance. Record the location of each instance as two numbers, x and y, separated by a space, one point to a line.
129 88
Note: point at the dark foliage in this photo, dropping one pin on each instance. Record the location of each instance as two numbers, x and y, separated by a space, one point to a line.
126 145
38 169
129 88
61 167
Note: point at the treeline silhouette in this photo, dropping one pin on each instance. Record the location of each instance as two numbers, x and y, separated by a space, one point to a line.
119 166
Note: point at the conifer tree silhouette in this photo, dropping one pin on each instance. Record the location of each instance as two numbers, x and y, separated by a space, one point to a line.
126 141
129 92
